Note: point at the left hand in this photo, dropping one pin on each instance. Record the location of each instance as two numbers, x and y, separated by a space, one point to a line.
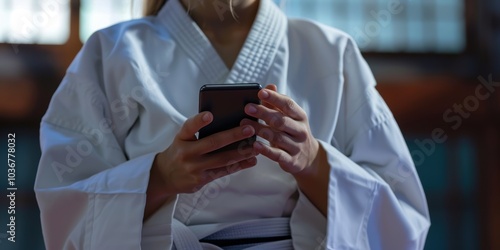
286 128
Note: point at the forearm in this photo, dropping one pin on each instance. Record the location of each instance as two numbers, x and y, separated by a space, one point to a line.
313 182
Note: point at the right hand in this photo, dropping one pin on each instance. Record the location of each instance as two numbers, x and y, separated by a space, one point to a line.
185 166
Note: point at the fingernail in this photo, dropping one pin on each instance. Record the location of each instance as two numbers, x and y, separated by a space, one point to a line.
206 117
257 145
252 109
265 94
245 122
247 130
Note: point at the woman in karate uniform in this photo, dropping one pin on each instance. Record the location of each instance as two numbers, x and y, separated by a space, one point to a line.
121 167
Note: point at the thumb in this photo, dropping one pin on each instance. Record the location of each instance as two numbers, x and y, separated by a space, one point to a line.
193 125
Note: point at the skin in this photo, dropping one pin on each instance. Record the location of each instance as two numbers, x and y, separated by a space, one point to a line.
186 165
226 33
292 144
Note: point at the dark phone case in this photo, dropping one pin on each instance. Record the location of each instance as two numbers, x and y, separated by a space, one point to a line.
227 103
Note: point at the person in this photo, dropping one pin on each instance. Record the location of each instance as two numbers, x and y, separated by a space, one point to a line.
122 168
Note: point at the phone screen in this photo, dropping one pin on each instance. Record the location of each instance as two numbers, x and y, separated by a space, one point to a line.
227 103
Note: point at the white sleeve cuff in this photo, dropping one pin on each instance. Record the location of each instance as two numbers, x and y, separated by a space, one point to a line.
308 225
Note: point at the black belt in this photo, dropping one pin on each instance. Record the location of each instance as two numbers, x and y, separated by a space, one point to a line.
243 241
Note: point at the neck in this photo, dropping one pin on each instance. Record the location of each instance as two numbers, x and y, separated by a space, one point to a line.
216 15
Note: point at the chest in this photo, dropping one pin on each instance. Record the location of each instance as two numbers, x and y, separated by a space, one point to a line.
228 48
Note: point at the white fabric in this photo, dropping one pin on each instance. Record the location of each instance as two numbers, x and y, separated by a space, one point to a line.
184 238
133 85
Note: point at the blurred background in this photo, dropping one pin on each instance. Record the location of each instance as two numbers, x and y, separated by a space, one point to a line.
437 63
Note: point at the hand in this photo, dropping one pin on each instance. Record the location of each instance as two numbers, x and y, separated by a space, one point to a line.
186 165
286 128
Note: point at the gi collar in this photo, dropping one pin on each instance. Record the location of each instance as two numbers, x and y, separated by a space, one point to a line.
255 57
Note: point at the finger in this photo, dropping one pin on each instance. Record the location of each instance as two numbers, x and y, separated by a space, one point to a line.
224 138
225 158
214 174
277 155
271 87
283 103
238 166
275 119
275 138
193 125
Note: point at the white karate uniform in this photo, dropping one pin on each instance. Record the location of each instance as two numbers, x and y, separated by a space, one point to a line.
133 85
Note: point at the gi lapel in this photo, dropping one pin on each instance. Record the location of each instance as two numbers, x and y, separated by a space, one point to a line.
255 57
192 40
261 45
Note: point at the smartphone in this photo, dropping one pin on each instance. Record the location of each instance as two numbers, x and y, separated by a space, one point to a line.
227 103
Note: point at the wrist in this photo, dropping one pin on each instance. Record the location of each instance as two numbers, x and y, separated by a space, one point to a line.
156 193
312 168
157 185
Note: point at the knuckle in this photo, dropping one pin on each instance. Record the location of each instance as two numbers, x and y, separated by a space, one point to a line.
189 168
275 139
181 154
290 165
303 115
281 157
294 150
190 122
279 138
302 134
277 121
289 105
266 133
188 126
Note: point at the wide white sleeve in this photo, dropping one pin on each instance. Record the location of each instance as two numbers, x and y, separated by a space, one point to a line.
375 197
85 201
90 194
308 225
